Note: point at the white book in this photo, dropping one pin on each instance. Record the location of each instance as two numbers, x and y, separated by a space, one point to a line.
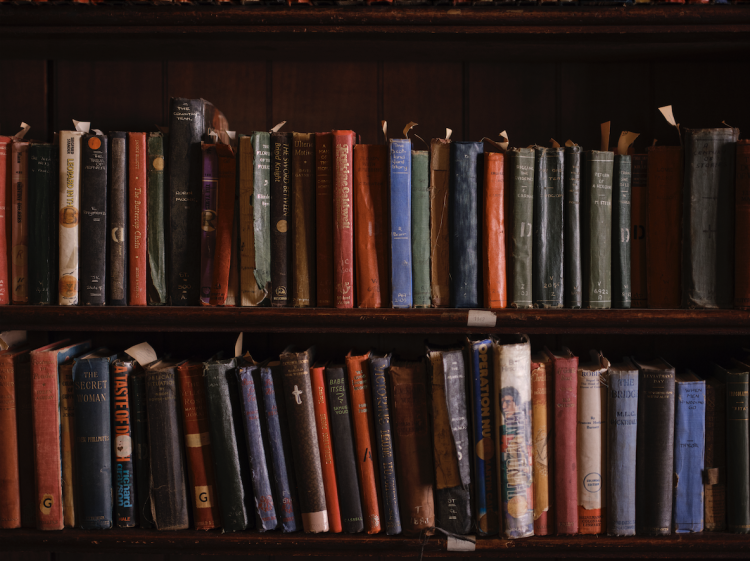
69 219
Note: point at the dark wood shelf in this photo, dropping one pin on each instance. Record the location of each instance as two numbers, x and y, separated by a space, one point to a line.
329 320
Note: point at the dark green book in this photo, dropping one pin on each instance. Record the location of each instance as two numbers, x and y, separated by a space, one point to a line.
596 228
573 283
420 227
157 259
43 224
521 180
621 208
140 448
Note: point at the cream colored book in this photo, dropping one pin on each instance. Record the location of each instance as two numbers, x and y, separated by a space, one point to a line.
69 217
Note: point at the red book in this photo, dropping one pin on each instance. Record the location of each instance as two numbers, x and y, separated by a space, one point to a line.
343 230
5 143
224 224
324 218
137 235
198 453
25 431
320 403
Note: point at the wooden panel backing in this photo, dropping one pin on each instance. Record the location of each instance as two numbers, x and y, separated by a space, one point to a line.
23 97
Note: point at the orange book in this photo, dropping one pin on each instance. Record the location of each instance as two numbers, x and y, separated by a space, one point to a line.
137 234
495 292
224 224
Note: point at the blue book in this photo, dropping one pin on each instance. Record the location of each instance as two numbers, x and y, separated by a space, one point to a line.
622 432
265 509
401 273
91 387
126 511
465 206
689 445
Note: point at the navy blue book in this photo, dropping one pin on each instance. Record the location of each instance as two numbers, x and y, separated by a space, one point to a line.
689 444
401 273
391 517
91 386
251 393
465 206
140 449
126 512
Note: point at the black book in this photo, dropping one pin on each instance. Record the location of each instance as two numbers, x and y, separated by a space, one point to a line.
93 253
140 449
117 273
281 217
43 223
621 209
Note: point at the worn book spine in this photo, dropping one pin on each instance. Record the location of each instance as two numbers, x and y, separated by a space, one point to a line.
324 166
260 260
542 414
343 216
344 451
573 282
281 216
714 480
742 228
141 458
10 494
156 282
67 444
125 504
439 240
224 225
5 235
209 198
621 218
638 230
420 235
708 218
301 415
69 216
465 217
137 219
25 436
303 220
117 214
664 194
43 223
596 229
493 231
93 220
251 293
689 434
548 233
521 212
401 218
198 446
20 215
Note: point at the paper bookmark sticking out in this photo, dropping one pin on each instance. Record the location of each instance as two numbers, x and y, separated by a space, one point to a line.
24 129
97 132
569 143
669 116
505 140
143 353
626 139
384 126
448 133
213 134
277 127
604 146
81 126
408 127
555 143
238 345
232 134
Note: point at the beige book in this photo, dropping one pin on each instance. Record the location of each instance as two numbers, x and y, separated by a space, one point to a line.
69 218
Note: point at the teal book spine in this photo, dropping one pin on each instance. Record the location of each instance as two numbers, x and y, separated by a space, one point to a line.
621 212
401 256
420 227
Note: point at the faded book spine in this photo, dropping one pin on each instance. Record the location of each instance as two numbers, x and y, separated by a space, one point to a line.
689 434
714 482
281 216
303 221
493 230
69 217
5 190
225 231
93 220
10 496
137 219
19 281
439 240
621 246
343 217
43 223
156 286
573 283
324 166
420 239
401 256
126 512
67 444
117 270
521 210
542 415
638 231
209 198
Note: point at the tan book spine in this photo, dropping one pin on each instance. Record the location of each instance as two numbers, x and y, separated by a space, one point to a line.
303 220
439 264
541 423
69 219
67 442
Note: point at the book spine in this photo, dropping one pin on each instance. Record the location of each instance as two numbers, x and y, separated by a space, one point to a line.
521 164
117 274
343 227
137 226
25 435
742 228
621 217
301 415
42 223
141 458
303 221
548 234
20 223
573 283
566 466
591 447
495 289
93 256
689 432
10 494
69 216
5 190
209 198
384 441
156 286
596 229
281 216
324 218
439 240
126 512
320 403
622 413
67 444
224 225
465 194
401 222
638 220
344 452
738 442
708 218
420 236
541 421
714 484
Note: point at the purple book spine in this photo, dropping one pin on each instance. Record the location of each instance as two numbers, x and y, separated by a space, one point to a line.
208 218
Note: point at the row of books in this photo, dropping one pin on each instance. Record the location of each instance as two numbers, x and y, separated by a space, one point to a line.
483 437
317 219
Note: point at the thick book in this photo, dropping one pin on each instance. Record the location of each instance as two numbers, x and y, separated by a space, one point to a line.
156 278
689 444
742 227
303 220
70 485
43 223
281 216
358 384
622 433
715 457
596 228
342 438
137 219
547 232
450 439
493 231
542 416
664 196
301 414
123 472
420 227
198 446
655 447
521 217
5 232
225 231
324 166
708 218
400 212
209 201
383 437
440 152
167 486
342 144
482 390
513 440
638 231
465 217
621 219
572 282
19 251
93 258
117 214
69 198
92 389
371 239
565 469
141 456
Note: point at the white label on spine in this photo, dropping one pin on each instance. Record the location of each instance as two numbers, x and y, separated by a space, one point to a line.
458 544
481 318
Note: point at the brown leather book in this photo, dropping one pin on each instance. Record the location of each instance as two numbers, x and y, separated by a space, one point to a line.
343 216
742 227
439 243
371 224
224 224
638 232
303 220
137 225
664 186
495 291
324 218
67 443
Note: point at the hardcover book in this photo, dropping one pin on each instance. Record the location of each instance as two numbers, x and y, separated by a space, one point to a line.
420 235
137 219
303 220
43 223
225 231
156 281
715 459
621 219
324 166
573 281
124 493
5 232
94 156
281 216
542 416
69 216
209 201
439 240
521 214
25 438
67 444
401 242
141 457
742 228
638 231
117 213
493 231
343 215
19 252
